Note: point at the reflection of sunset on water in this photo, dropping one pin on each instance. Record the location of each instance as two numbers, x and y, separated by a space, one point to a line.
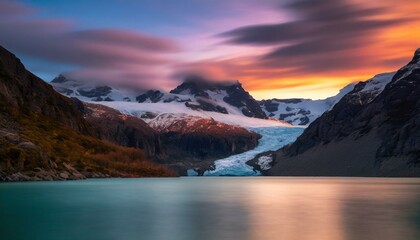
293 208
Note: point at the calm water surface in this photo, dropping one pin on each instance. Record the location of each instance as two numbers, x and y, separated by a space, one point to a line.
255 208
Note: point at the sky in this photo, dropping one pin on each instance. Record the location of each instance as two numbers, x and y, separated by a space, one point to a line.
275 48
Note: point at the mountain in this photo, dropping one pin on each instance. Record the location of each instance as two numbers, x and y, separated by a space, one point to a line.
302 112
224 97
364 134
44 136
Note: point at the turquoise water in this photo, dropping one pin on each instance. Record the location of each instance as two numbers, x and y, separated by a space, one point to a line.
212 208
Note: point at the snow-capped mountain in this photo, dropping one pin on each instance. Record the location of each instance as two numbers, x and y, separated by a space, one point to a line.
200 94
91 92
195 100
304 111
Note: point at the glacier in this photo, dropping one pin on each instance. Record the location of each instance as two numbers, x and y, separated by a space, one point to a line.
272 139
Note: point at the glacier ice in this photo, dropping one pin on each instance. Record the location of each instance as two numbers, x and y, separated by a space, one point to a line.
272 139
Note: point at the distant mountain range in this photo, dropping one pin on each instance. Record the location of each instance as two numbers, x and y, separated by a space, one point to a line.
221 97
195 93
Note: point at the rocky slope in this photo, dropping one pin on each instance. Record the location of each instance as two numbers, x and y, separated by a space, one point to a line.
43 135
364 134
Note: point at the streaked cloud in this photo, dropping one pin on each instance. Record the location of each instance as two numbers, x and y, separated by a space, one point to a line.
129 57
276 48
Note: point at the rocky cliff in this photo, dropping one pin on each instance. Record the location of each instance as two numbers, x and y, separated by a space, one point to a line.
364 134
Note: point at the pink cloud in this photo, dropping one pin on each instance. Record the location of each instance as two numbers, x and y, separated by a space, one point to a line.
128 57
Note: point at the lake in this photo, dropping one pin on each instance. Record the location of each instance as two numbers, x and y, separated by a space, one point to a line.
254 208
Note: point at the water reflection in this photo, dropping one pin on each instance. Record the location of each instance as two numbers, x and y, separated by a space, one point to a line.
213 208
335 209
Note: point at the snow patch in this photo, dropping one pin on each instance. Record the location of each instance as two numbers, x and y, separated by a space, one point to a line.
376 85
265 162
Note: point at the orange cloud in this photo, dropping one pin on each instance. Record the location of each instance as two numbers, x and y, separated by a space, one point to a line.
316 61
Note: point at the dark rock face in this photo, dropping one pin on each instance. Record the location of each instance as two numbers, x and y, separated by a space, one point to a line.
206 106
154 96
96 92
195 86
270 105
363 135
59 79
239 98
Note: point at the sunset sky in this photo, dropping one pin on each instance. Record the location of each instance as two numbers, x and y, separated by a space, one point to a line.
276 48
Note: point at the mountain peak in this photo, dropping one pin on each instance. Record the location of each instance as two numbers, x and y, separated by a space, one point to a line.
60 79
197 85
